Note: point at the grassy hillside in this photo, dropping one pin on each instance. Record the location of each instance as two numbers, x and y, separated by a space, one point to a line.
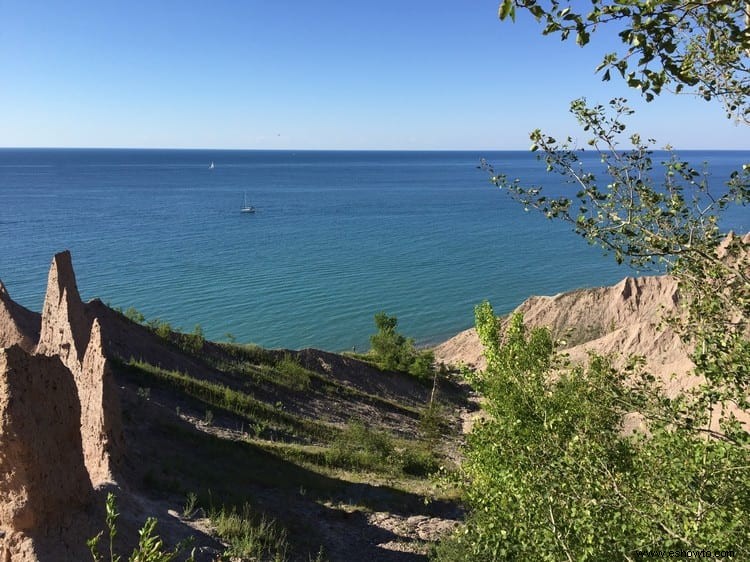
291 455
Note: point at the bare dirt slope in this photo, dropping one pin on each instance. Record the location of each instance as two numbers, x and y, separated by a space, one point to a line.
625 319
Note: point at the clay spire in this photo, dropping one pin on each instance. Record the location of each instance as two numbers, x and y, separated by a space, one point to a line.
101 422
65 327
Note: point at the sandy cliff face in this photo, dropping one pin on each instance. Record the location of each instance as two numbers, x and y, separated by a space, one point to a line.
69 332
624 319
18 326
43 478
65 325
60 420
101 418
42 471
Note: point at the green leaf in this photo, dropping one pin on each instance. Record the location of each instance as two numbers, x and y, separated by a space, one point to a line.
507 9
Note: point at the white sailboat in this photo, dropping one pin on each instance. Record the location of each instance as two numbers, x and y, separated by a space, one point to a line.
247 208
211 165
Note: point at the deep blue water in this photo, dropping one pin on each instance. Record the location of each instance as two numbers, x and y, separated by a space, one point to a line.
337 237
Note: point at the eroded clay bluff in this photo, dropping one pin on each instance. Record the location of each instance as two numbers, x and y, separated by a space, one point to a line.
44 484
65 326
622 320
101 416
68 331
60 421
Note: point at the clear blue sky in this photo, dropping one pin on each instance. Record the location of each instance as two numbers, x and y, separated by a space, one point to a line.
391 74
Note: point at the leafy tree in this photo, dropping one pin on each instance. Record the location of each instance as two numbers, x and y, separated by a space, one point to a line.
697 46
663 216
394 351
549 474
668 215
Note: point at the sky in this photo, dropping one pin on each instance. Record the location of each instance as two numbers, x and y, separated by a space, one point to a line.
293 74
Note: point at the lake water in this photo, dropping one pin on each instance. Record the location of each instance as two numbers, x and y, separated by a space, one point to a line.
337 237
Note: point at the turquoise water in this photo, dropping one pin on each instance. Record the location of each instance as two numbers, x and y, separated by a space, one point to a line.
337 237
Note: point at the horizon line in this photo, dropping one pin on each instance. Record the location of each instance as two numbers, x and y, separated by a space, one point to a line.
144 148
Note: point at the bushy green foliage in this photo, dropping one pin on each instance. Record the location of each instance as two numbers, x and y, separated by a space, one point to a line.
418 459
193 343
549 472
549 475
395 352
422 365
392 350
701 47
135 315
432 423
289 373
161 328
359 447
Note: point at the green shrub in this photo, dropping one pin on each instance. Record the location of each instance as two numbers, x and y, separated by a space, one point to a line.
135 315
291 374
359 447
548 474
432 423
395 352
250 537
422 365
194 342
419 460
161 328
391 349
